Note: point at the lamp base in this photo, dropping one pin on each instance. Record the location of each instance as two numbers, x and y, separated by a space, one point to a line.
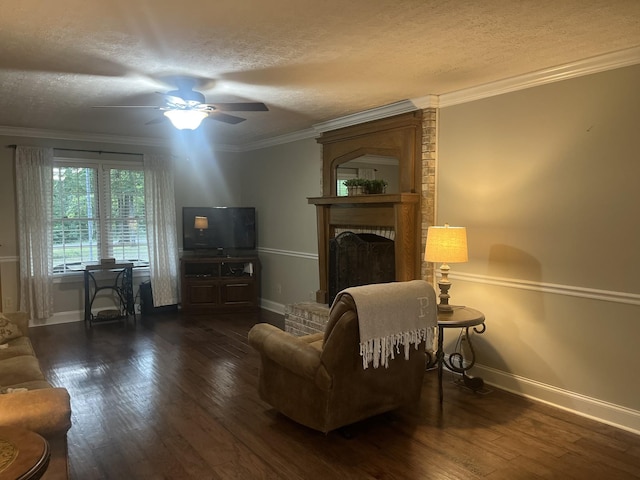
445 308
444 296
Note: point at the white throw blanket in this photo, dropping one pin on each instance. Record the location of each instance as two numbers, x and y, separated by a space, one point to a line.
393 314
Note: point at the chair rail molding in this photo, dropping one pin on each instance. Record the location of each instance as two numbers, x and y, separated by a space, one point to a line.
555 288
288 253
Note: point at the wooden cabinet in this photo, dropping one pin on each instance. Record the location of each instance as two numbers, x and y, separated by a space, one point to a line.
211 284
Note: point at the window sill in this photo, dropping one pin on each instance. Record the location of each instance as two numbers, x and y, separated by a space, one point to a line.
78 276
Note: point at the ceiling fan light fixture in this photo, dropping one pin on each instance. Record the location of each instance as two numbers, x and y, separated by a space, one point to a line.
186 119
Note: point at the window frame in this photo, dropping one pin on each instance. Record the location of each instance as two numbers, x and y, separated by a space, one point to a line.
103 197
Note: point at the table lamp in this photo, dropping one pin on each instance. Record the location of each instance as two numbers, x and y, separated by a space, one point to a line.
446 245
201 223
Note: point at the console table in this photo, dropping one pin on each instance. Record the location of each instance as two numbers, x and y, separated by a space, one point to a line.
464 318
121 284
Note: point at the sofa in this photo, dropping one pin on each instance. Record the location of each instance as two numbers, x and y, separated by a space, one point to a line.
319 380
27 400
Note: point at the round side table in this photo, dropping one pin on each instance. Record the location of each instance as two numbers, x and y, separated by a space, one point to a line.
458 317
24 455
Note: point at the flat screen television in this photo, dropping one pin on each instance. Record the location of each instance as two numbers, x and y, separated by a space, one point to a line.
224 229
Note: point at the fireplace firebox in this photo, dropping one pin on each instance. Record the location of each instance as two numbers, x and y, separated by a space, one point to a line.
359 259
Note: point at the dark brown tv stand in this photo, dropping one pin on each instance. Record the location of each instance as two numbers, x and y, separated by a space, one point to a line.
218 284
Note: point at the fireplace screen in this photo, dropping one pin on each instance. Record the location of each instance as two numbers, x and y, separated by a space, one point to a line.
359 259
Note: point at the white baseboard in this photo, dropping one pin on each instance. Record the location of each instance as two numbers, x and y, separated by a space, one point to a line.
599 410
272 306
69 317
58 318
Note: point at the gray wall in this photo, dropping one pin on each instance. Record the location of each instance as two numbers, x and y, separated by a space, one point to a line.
546 182
277 181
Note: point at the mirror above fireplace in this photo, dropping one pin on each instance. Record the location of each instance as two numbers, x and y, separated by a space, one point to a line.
369 167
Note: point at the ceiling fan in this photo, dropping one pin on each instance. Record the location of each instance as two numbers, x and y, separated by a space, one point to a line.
186 109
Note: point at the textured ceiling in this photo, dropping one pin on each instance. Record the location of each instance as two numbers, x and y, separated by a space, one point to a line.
310 61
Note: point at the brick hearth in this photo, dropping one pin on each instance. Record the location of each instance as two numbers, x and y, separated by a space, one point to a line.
305 318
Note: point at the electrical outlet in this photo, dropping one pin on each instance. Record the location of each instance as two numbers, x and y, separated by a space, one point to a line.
278 288
8 303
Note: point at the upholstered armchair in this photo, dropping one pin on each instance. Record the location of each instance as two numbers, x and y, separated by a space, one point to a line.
320 380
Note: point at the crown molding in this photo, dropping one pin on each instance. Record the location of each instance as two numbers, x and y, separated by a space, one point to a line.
279 140
377 113
97 138
588 66
428 101
317 129
80 137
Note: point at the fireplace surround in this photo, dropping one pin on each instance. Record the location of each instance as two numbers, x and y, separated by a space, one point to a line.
399 137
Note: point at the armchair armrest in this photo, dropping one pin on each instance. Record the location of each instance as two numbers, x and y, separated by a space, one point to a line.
46 411
288 351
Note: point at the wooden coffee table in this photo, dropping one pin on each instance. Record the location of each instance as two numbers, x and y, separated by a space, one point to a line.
24 455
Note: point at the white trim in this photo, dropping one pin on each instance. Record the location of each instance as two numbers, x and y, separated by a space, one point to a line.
558 289
618 416
377 113
73 316
96 138
61 317
588 66
288 253
428 101
9 259
272 306
81 137
274 141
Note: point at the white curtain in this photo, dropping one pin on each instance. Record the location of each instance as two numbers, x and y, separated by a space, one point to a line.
161 229
34 184
367 173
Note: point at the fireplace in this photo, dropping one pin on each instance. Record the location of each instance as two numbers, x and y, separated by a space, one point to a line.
359 259
408 213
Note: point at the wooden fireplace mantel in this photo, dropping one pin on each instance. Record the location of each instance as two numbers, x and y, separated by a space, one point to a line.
398 211
398 137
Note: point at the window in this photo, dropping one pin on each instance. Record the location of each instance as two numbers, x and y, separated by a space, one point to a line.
98 212
342 175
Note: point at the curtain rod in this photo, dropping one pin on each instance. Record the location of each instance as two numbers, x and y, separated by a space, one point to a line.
87 151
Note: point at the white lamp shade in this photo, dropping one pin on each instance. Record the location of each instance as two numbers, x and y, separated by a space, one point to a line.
446 244
186 119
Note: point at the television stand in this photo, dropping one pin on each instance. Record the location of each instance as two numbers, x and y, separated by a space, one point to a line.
219 283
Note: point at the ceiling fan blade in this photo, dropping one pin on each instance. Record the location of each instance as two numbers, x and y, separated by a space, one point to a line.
223 117
127 106
173 100
240 107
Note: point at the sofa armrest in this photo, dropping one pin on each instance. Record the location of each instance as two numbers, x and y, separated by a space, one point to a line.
285 349
46 411
21 319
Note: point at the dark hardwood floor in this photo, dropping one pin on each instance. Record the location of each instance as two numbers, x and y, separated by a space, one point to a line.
176 398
